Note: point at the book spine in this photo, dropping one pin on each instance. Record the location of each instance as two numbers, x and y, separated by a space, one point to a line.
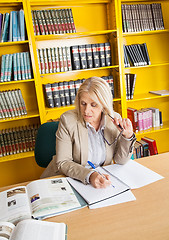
108 53
56 59
28 65
15 71
68 57
16 143
38 56
22 24
49 96
41 27
75 58
18 63
42 63
17 107
58 20
9 67
61 93
95 53
6 67
69 21
72 20
25 64
22 101
22 66
82 53
53 60
60 59
89 56
45 58
44 22
72 91
66 93
63 12
61 21
55 93
33 22
15 26
65 65
5 29
3 67
51 22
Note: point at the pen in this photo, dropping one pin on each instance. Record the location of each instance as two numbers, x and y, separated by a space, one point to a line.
93 166
113 119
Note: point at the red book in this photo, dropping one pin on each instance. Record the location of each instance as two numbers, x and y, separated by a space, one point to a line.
132 115
151 145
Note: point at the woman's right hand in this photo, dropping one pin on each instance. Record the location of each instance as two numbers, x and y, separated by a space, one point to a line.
98 181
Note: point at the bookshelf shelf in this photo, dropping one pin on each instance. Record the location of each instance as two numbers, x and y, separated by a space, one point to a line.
145 97
31 114
74 35
129 34
164 127
17 82
18 156
13 43
148 66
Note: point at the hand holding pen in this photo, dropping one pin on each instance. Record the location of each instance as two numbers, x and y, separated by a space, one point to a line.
99 180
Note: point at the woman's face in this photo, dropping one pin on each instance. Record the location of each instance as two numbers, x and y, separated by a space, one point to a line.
90 110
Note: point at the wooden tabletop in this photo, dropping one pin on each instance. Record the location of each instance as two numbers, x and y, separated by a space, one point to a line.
147 218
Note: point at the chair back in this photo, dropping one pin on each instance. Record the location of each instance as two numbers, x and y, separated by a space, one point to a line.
45 145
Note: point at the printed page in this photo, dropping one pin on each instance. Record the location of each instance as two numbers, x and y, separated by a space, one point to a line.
14 205
39 230
93 195
6 229
133 174
51 196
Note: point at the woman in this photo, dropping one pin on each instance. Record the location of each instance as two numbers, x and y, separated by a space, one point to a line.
89 133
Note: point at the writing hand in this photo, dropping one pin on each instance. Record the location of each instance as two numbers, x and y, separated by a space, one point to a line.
126 124
98 181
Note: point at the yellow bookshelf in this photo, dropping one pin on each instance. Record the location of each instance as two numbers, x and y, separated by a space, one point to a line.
96 22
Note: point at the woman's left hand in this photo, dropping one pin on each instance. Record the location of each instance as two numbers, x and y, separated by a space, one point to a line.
126 124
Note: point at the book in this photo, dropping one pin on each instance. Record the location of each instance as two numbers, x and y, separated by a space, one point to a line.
31 229
39 199
160 92
132 115
107 53
152 145
89 56
55 94
75 58
131 175
145 149
49 95
83 59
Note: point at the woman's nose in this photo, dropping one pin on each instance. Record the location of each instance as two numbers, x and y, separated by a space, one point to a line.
87 108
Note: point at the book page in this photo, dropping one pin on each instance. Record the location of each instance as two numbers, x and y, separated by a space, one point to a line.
51 196
39 230
93 195
6 229
133 174
14 205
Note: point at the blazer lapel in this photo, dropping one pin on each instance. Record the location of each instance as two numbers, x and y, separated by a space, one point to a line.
83 141
108 148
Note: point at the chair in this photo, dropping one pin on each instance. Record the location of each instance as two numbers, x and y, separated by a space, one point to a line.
45 145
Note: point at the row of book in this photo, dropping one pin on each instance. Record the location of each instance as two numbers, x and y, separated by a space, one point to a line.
15 67
18 139
130 80
56 59
64 93
53 21
145 147
144 118
63 59
142 17
12 104
12 26
136 55
91 56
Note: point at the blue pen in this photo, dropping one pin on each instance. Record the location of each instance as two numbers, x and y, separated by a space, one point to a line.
93 166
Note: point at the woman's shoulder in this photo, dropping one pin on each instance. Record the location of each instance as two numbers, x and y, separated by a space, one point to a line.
69 117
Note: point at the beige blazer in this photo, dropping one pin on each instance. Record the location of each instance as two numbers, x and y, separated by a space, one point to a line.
72 148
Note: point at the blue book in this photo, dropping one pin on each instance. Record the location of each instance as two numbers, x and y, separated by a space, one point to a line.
6 67
10 28
1 17
3 68
22 24
5 29
14 26
10 67
18 66
22 66
25 65
15 67
28 65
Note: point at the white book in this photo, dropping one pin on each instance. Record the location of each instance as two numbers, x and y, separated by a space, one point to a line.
124 177
33 230
160 92
39 199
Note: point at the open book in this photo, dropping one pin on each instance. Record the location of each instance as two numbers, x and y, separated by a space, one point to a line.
39 199
33 230
124 177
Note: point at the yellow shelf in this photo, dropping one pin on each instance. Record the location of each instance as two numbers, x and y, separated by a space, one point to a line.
73 35
31 114
154 32
164 127
17 82
18 156
146 96
13 43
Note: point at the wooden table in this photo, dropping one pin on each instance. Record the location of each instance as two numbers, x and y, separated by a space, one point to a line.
147 218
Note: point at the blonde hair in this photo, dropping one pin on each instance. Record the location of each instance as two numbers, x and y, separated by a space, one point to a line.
99 91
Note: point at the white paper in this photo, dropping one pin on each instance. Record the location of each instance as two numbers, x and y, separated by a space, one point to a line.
133 174
93 195
39 230
121 198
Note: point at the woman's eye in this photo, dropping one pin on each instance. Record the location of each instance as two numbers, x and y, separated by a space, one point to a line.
83 103
93 104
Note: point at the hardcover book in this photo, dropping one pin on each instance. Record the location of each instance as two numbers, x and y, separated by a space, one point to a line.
49 95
